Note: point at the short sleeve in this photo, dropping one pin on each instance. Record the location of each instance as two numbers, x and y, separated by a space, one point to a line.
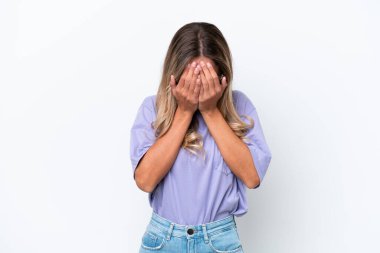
142 134
257 144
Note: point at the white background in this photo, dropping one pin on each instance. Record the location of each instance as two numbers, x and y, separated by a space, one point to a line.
73 73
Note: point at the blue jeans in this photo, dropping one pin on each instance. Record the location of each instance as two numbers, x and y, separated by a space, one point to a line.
163 235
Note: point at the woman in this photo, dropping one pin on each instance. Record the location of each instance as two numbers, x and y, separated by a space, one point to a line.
196 146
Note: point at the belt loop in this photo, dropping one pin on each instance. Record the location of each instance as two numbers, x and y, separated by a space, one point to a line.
170 231
205 233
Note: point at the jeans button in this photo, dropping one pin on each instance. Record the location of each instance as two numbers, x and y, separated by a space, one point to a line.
190 231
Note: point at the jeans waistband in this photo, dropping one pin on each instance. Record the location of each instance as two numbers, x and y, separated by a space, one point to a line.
204 230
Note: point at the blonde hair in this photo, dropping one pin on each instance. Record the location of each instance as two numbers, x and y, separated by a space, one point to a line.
190 41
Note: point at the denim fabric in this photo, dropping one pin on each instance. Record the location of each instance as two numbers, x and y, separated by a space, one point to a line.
163 235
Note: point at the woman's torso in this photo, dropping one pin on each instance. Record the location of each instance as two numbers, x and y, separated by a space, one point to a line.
197 191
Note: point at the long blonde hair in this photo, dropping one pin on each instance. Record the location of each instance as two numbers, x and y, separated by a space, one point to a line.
190 41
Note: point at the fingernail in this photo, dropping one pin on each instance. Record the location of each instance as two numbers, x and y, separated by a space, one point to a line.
193 64
202 63
208 64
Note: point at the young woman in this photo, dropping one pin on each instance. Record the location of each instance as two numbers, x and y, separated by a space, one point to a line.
196 146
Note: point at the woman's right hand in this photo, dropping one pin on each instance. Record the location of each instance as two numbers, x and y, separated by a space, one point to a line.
188 88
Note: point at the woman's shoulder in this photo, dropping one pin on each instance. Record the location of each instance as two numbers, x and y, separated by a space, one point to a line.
149 102
241 101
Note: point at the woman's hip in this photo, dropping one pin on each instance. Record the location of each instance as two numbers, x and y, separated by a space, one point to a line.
220 236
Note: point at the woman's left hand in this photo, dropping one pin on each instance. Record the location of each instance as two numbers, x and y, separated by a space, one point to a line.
211 88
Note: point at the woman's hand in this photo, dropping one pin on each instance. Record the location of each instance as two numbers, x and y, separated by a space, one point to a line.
211 88
188 88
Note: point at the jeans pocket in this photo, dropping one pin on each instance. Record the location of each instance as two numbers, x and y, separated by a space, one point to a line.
153 239
227 241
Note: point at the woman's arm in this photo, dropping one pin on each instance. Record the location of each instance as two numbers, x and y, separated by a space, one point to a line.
160 157
248 163
234 151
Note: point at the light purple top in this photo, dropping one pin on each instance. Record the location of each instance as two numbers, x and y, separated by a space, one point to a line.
195 191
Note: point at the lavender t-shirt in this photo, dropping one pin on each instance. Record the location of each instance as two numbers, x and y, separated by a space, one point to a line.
195 191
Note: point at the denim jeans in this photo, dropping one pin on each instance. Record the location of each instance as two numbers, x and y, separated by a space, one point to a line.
162 235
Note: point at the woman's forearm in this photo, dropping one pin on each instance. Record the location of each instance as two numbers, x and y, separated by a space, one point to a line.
159 158
234 151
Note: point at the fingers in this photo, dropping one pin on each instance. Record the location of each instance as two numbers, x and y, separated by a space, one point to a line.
181 82
193 80
189 85
189 76
197 88
211 77
205 85
197 82
214 77
224 83
172 85
201 92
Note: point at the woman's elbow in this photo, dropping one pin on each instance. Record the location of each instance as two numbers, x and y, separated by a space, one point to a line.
253 183
141 182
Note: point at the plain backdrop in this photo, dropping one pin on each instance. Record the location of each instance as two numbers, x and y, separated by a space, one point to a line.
73 74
